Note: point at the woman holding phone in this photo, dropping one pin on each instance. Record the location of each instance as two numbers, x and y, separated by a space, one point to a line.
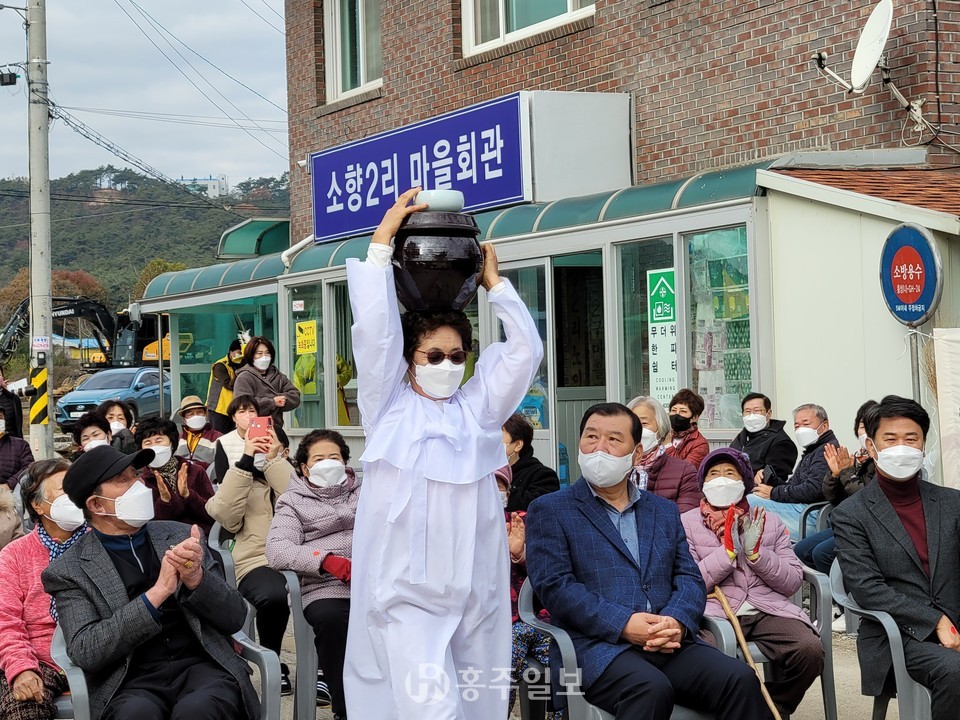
244 505
430 592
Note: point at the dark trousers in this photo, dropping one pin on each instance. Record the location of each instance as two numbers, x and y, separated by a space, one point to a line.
184 689
795 652
54 685
817 551
266 590
328 618
644 686
937 668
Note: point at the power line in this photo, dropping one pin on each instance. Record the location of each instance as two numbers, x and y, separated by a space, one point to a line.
135 113
250 8
185 75
270 8
95 137
173 119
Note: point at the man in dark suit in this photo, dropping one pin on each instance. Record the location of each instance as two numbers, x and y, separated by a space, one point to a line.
143 610
898 543
612 566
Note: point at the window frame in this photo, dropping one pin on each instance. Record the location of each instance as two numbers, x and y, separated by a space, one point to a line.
469 26
333 58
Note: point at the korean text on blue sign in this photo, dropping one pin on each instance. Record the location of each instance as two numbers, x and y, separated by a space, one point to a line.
476 150
911 274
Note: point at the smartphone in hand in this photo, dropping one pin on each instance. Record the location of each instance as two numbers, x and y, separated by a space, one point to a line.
260 427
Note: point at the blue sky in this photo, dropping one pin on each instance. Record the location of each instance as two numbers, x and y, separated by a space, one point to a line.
101 60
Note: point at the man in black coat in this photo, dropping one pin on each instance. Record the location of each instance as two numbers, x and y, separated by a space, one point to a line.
788 496
15 455
531 478
763 439
12 409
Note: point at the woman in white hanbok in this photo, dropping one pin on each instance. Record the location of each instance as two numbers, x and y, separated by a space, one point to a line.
429 633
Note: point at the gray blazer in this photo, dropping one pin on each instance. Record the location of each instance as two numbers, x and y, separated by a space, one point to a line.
882 570
102 626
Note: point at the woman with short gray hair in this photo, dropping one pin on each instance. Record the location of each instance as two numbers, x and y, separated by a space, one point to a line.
29 679
654 470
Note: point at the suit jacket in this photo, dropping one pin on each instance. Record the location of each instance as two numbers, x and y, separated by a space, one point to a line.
882 570
102 626
589 582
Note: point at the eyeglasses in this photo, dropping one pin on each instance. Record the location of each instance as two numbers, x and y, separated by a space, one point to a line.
435 357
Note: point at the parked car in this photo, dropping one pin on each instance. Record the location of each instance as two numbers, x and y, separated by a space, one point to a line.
139 387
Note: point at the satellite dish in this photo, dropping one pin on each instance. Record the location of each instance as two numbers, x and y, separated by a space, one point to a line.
869 50
871 44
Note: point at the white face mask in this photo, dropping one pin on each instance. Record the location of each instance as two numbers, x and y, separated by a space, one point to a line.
260 461
196 422
3 426
65 514
327 473
806 436
91 444
648 440
262 363
504 497
900 462
602 470
723 492
116 426
863 441
754 422
161 455
439 381
135 506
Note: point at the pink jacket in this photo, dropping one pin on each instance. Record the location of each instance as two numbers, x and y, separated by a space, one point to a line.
767 584
26 627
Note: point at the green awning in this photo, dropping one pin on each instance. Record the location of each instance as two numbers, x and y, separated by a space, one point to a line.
260 241
254 237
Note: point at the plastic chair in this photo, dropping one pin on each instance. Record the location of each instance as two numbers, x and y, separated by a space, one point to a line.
913 699
577 706
807 512
77 704
305 700
219 543
821 613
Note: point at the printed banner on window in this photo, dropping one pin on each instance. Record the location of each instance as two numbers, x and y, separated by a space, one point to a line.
662 334
478 150
306 337
946 345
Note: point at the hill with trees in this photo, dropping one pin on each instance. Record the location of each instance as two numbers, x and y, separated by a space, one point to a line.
113 223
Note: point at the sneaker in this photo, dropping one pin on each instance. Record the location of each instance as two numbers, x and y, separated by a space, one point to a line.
839 624
323 692
286 688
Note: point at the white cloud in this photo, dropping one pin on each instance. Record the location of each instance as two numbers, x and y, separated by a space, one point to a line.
100 59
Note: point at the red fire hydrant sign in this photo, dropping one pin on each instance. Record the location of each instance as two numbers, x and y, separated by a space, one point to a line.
911 274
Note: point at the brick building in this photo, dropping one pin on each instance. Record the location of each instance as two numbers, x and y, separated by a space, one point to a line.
713 84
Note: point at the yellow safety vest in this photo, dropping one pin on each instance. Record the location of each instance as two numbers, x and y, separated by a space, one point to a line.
219 397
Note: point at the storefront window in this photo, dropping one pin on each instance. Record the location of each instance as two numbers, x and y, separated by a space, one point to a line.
306 353
530 283
346 371
720 323
206 331
649 319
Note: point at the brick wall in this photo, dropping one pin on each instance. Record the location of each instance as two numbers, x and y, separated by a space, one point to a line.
714 83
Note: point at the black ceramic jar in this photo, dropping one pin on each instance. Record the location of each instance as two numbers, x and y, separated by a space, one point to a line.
437 261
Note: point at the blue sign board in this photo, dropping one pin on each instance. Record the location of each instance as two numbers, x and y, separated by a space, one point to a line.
911 274
477 150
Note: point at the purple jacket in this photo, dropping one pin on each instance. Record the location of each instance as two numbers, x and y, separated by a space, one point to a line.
767 584
676 480
308 524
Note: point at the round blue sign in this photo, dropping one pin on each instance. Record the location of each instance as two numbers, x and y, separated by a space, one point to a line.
911 274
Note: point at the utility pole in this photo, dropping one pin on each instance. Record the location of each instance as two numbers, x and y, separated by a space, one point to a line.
41 302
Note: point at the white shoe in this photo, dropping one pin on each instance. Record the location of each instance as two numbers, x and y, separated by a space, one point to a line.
839 624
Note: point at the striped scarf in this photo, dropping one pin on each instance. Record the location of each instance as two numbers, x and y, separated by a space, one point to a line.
56 550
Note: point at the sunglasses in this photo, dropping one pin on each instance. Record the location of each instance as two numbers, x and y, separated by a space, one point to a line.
435 357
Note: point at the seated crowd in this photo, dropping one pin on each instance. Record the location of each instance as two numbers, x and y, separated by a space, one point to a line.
657 533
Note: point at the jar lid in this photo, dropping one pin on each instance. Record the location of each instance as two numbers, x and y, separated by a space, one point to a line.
427 221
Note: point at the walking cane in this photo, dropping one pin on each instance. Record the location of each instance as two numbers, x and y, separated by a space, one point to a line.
742 642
